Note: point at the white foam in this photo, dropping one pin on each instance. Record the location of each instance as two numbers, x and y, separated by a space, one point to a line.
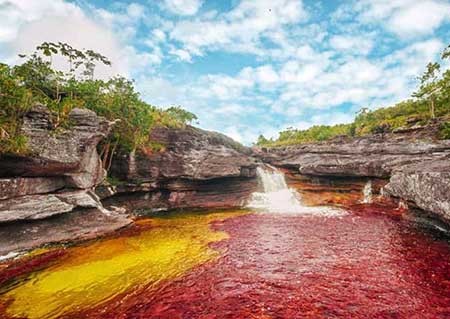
277 197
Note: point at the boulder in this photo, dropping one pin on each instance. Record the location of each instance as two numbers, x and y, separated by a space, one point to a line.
425 185
33 207
69 152
188 153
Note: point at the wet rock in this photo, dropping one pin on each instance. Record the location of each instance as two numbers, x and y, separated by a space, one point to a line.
425 185
80 224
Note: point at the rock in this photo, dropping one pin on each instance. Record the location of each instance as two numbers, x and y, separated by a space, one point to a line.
189 153
426 185
80 224
195 169
225 193
69 152
42 206
373 156
21 186
32 207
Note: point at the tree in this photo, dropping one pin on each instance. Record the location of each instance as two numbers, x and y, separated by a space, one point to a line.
429 86
262 140
181 115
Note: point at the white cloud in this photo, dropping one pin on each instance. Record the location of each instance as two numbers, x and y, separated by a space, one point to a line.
420 18
32 22
352 44
405 18
183 7
239 30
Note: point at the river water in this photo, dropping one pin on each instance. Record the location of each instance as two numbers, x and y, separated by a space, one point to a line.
275 259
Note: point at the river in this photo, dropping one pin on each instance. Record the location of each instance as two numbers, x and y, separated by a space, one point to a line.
274 259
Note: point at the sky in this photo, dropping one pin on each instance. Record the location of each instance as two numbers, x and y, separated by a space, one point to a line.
246 67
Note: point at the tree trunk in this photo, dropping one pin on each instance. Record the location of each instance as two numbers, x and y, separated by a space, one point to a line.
105 155
111 156
432 107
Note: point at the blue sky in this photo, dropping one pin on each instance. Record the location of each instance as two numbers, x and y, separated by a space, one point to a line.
246 67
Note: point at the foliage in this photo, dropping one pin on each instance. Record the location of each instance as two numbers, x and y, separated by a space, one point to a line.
445 131
432 99
35 80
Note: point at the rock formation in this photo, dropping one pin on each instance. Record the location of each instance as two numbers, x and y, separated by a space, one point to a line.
195 169
425 185
415 165
56 178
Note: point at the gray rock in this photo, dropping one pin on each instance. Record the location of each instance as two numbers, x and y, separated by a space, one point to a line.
375 156
189 153
69 152
78 225
21 186
33 207
426 185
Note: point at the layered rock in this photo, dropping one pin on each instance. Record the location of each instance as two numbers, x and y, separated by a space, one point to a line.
194 169
373 156
416 165
425 185
70 153
56 178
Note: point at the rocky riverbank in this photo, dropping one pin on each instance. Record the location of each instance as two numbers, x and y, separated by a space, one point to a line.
59 192
414 165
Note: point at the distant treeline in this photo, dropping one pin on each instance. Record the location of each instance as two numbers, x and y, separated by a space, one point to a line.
37 81
431 100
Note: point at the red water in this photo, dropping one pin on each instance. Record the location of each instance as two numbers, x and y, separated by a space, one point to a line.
368 264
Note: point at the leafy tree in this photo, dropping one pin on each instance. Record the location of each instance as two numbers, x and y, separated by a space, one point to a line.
35 80
429 86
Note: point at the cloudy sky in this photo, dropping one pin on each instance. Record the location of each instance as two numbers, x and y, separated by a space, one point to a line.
246 67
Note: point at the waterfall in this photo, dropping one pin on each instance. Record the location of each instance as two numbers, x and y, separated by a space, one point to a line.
367 192
277 197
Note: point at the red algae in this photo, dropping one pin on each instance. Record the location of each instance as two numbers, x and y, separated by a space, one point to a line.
12 270
370 263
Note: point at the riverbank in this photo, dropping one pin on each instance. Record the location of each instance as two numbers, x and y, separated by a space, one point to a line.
59 191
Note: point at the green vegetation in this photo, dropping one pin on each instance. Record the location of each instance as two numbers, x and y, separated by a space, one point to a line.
430 101
36 80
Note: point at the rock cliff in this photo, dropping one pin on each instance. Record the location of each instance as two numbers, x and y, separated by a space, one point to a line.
56 178
373 156
194 169
57 191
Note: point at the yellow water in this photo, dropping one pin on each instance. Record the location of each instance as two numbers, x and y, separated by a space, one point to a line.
99 271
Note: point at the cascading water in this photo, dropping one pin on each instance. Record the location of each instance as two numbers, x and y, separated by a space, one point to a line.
279 198
367 192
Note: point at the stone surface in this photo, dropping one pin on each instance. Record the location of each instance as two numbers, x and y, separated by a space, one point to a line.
425 185
373 156
79 225
188 153
21 186
231 192
195 169
69 152
33 207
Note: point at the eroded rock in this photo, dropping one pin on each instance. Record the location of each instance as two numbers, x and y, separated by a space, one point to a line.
69 152
373 156
426 185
